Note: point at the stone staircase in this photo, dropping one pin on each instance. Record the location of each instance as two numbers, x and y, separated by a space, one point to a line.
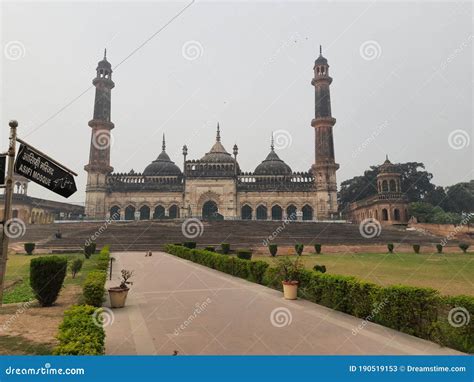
153 235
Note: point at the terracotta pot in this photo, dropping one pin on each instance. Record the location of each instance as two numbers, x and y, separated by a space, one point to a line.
118 296
290 290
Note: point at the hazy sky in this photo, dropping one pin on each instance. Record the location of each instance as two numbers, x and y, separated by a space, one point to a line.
402 81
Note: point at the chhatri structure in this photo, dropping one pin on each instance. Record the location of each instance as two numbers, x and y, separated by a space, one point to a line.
389 205
213 186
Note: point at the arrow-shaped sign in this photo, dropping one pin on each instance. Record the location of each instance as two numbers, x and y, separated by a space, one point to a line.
40 169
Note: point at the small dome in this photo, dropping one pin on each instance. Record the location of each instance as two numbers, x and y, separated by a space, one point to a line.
273 165
162 165
388 167
104 64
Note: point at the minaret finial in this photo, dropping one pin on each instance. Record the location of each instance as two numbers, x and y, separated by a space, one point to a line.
386 156
272 146
218 135
105 53
320 50
163 145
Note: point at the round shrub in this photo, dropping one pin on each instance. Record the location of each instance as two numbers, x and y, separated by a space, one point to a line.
319 268
273 248
189 244
89 249
299 249
245 254
210 248
29 248
390 247
225 248
76 266
464 247
47 274
439 248
416 248
317 248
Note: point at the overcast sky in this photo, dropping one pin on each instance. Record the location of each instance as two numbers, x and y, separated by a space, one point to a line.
402 81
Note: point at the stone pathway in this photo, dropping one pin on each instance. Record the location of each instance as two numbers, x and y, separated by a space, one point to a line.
176 305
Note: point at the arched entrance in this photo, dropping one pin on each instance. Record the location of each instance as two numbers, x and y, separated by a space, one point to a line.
396 214
173 212
261 213
145 213
246 212
115 212
384 214
130 213
277 213
159 212
307 212
291 212
210 210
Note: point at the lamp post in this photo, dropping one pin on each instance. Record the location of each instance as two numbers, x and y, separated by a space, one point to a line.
7 211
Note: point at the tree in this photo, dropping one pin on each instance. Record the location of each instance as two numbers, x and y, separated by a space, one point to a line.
415 183
460 197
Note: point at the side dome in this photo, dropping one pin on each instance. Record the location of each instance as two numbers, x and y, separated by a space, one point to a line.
273 165
162 166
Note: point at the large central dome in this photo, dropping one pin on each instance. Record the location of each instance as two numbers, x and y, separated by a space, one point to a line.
162 165
218 153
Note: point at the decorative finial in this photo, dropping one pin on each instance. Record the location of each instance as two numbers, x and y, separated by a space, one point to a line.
320 50
218 135
105 53
163 145
272 146
386 157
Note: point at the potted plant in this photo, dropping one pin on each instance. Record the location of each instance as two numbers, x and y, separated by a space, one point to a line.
118 295
289 271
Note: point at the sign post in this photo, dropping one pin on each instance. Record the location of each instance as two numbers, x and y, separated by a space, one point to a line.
7 211
40 168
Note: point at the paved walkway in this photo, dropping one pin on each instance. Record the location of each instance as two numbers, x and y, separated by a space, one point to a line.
177 305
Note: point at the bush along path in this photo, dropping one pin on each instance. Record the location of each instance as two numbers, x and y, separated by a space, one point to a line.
421 312
81 332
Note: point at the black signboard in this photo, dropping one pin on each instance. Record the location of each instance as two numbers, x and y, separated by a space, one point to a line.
36 167
3 162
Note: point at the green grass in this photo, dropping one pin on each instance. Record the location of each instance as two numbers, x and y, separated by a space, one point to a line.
450 273
17 345
18 270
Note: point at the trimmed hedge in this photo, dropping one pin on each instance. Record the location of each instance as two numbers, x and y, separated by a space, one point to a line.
225 247
94 288
245 269
103 259
29 248
47 275
421 312
80 333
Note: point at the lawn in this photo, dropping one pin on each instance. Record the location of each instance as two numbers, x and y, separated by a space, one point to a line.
451 274
31 329
17 276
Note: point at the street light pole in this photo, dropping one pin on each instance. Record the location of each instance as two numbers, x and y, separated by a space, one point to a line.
7 211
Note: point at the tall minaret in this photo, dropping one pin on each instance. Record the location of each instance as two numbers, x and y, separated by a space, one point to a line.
99 155
325 166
